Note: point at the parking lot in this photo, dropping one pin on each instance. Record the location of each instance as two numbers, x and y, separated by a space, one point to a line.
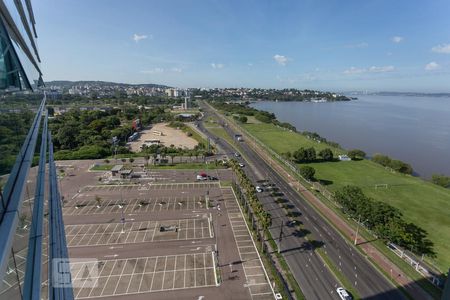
149 274
173 239
144 205
254 271
152 186
137 232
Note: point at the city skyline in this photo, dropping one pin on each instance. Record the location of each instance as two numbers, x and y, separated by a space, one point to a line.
326 45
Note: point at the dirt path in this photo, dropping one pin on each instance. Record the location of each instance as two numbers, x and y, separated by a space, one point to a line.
170 136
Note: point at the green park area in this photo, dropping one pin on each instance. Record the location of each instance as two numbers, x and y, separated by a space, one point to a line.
421 202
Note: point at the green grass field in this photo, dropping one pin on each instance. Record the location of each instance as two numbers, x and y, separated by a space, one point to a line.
421 202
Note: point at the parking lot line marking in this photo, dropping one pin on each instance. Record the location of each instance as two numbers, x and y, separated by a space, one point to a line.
174 272
142 278
195 273
132 273
106 283
164 273
204 266
154 272
184 281
258 294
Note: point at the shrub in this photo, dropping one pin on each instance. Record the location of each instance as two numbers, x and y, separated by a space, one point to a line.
307 172
441 180
326 154
356 154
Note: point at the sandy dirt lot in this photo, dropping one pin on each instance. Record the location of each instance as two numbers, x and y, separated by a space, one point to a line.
171 136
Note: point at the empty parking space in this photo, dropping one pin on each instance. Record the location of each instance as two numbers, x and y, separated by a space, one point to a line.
147 274
138 232
19 262
152 186
93 206
256 278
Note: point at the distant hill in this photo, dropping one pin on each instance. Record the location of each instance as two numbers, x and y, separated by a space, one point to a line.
68 83
412 94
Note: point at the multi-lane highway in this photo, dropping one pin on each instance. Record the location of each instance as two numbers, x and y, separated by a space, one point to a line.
315 279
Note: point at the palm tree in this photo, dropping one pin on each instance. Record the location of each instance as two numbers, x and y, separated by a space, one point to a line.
172 155
266 222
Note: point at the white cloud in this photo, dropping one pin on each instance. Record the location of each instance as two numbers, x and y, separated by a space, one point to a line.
217 66
397 39
444 48
383 69
432 66
137 37
281 59
153 71
358 45
354 70
372 69
177 70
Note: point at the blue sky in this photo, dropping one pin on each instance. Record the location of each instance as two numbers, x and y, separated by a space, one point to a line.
321 44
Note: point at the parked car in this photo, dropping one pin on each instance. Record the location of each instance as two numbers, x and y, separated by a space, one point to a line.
212 178
259 189
202 176
241 165
343 294
237 154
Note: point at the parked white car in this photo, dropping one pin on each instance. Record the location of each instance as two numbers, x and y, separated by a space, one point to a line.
259 189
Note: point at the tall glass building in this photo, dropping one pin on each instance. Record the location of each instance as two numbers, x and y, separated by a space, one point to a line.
19 56
32 239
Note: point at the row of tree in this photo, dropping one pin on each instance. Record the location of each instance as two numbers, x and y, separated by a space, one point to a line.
88 134
264 218
441 180
13 129
384 220
394 164
308 155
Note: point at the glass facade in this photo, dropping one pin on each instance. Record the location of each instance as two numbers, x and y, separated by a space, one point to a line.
19 61
20 71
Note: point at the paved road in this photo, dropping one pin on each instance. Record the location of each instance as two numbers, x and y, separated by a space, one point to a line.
316 282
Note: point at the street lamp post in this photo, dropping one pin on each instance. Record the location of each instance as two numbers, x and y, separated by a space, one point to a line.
357 229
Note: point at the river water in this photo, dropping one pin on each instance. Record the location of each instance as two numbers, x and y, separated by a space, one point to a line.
413 129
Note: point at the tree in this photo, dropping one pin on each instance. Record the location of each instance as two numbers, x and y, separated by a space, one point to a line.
326 154
381 159
242 119
401 167
131 160
307 172
356 154
303 155
441 180
172 155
